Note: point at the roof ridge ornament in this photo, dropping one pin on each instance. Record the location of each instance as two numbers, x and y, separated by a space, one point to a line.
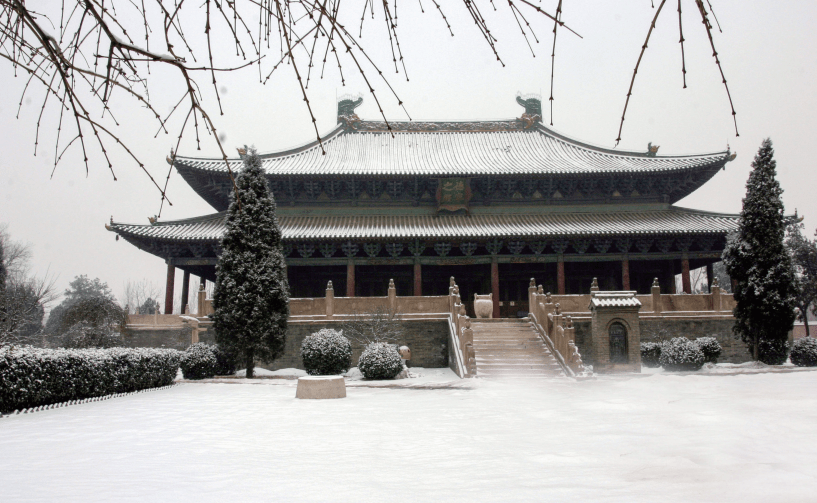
346 107
533 109
652 150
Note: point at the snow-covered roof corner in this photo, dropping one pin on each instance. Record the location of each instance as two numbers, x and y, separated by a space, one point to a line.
613 299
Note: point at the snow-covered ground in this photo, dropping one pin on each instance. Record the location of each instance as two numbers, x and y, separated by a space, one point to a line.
658 438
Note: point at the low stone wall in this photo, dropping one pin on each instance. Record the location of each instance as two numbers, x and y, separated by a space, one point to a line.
660 329
428 340
161 336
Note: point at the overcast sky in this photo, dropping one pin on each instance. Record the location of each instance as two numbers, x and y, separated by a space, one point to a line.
767 50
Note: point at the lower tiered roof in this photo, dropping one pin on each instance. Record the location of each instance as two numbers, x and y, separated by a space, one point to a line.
672 221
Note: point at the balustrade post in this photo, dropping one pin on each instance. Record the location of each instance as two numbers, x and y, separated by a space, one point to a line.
330 300
715 290
656 296
202 297
392 297
532 295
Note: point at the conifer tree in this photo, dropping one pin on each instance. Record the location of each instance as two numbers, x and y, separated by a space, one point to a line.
251 296
760 267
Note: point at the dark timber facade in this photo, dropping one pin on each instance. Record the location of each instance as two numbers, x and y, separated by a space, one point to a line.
492 203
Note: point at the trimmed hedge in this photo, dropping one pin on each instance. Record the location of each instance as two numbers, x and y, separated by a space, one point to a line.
31 377
804 352
681 354
650 353
710 347
198 361
326 352
380 360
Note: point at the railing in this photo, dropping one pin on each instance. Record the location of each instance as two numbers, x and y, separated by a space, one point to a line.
461 336
555 329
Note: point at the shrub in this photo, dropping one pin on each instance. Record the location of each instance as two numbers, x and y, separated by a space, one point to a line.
380 360
650 353
84 335
773 352
681 354
225 361
326 352
710 347
804 352
32 377
199 361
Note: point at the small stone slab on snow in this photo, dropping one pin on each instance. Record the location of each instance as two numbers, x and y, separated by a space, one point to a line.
321 387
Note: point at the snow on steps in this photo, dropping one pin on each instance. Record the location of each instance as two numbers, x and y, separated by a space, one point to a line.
510 348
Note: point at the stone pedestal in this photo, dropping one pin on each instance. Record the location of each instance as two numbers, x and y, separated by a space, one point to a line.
319 387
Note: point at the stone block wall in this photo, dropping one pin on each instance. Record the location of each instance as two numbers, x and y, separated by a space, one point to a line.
428 340
657 329
660 329
159 337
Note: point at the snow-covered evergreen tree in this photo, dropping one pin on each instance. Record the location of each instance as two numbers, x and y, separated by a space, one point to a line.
760 266
251 297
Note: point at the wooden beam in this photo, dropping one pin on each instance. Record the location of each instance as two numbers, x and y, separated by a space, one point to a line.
560 274
350 278
185 290
625 273
495 286
169 288
418 279
685 279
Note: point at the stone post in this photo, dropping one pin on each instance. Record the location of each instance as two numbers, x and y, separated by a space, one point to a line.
202 297
330 300
594 286
392 297
715 294
656 296
467 335
549 309
532 296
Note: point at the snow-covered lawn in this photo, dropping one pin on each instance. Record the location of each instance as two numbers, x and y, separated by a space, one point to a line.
659 438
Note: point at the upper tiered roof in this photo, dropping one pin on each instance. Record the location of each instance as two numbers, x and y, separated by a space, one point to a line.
458 149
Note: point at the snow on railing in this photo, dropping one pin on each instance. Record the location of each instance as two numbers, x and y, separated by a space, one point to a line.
555 329
462 337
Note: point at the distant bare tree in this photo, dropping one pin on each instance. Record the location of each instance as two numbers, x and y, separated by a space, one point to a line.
23 297
140 296
377 325
87 55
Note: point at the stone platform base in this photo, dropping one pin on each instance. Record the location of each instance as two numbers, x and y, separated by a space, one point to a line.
318 387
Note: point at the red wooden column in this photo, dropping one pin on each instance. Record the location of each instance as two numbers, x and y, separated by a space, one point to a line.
685 281
418 279
625 273
560 274
495 285
185 290
169 288
350 278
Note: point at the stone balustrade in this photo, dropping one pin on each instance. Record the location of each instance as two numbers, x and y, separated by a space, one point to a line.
555 327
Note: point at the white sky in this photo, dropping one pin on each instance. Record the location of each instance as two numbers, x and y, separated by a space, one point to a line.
767 50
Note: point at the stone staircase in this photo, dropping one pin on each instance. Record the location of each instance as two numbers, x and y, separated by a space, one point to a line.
510 348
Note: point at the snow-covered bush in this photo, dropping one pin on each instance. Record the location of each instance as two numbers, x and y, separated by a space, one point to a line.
85 335
326 352
773 352
199 361
32 377
225 361
650 353
681 354
804 352
710 347
380 360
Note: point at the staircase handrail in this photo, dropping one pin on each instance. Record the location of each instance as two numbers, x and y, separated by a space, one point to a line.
454 325
549 343
546 318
